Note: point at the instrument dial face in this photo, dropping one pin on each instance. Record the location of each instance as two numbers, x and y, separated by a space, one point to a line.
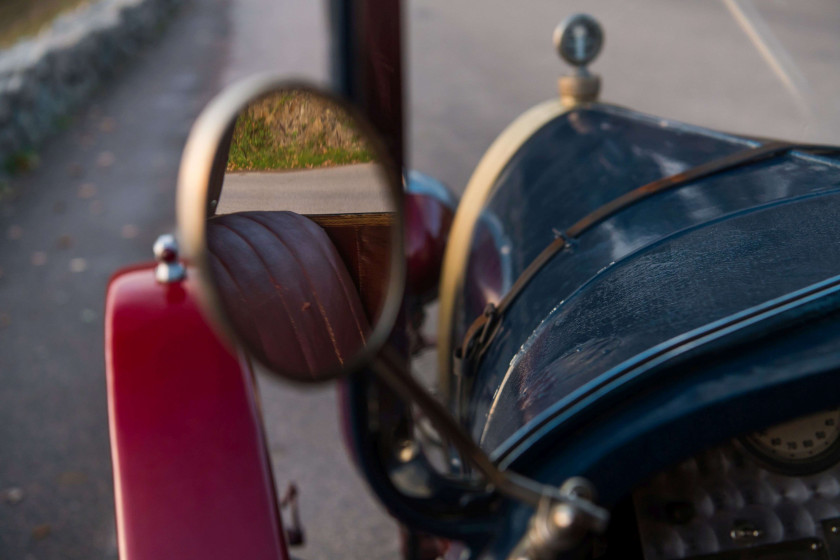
578 39
805 445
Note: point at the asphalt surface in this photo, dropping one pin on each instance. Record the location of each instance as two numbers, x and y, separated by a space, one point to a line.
326 190
102 194
105 190
475 65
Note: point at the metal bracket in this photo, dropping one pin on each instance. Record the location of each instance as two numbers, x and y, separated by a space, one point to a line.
561 523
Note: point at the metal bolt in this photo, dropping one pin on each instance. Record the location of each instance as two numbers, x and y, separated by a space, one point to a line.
563 516
745 531
406 451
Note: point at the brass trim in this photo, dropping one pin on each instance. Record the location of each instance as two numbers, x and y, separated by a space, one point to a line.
478 191
192 202
578 89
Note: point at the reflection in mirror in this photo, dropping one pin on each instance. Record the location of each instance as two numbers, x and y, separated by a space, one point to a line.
300 226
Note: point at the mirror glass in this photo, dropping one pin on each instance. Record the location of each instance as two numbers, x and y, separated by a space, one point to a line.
300 230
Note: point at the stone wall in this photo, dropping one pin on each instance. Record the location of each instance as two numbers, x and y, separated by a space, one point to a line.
44 77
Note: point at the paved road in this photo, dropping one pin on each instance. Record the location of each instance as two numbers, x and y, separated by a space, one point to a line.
475 65
105 190
102 194
327 190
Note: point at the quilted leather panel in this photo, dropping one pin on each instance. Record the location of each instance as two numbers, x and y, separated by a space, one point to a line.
721 489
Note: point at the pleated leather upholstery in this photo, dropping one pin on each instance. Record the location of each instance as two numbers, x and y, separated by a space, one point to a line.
286 291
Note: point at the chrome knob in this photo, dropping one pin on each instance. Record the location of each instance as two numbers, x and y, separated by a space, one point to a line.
169 268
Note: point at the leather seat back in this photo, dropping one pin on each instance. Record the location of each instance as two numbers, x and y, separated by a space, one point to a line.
286 291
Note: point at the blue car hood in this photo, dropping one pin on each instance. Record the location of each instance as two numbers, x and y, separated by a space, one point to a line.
678 262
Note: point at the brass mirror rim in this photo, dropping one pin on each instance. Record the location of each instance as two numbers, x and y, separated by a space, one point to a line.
191 206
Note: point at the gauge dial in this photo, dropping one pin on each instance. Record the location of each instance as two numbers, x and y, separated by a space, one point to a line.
805 445
578 39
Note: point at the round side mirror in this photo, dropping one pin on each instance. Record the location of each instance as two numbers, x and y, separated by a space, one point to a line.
289 212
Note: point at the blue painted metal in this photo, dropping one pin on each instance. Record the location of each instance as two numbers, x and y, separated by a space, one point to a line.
694 316
670 264
777 368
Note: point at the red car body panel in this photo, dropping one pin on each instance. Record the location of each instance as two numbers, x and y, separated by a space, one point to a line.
428 221
192 474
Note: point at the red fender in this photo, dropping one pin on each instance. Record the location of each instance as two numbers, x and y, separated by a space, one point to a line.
192 474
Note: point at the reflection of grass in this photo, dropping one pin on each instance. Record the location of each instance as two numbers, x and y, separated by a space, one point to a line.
22 18
294 131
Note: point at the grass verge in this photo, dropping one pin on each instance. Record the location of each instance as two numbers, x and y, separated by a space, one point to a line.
294 131
24 18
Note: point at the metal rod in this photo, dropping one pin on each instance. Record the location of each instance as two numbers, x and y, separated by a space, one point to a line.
509 484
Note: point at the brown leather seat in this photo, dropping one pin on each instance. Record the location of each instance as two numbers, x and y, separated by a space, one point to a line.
286 291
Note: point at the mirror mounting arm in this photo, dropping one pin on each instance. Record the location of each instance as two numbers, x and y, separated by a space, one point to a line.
511 485
506 483
403 480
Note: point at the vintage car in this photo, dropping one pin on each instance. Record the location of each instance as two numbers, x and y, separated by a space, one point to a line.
638 334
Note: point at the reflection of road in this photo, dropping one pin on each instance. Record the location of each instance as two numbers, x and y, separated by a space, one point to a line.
327 190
